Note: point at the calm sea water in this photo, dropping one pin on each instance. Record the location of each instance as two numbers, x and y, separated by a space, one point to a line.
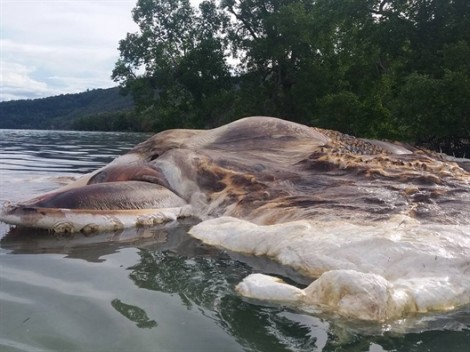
153 290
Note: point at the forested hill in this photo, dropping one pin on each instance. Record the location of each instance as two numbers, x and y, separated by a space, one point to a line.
64 111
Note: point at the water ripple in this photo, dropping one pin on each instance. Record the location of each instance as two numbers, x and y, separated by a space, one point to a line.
27 157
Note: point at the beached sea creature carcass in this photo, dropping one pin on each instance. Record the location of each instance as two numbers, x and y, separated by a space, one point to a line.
381 229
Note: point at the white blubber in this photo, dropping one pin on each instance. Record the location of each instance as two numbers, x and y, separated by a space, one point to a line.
369 271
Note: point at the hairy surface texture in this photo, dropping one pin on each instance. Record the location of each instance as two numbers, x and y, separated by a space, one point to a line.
268 171
380 229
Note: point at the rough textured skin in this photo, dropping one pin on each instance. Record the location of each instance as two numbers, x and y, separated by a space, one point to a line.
267 170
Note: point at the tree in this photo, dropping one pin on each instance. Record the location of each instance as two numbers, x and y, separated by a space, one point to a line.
175 62
275 42
378 68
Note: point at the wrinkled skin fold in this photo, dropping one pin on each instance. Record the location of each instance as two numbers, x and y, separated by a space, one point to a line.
268 171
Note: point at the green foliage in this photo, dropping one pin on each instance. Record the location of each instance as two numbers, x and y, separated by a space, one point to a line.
180 54
395 69
108 121
63 111
436 108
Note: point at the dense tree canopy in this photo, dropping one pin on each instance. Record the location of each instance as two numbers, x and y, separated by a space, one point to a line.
380 68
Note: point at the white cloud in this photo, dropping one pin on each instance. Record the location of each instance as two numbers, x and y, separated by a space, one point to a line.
50 47
16 81
60 46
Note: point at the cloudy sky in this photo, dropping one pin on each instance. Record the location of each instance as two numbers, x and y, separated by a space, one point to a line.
50 47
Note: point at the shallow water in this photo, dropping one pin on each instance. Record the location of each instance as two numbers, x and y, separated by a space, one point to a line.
155 289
